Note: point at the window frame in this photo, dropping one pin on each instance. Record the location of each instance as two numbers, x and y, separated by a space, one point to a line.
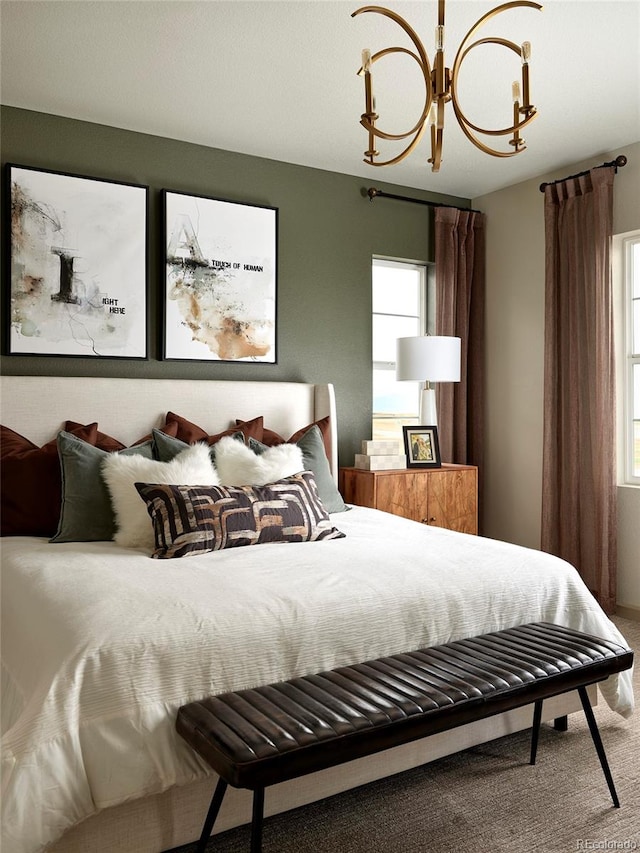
426 322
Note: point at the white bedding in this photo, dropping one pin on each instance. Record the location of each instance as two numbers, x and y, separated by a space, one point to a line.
102 644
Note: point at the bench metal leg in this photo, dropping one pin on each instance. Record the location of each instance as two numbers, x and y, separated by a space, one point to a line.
256 821
212 814
537 719
560 724
597 740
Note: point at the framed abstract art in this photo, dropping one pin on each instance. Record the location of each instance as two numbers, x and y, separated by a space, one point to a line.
220 279
78 256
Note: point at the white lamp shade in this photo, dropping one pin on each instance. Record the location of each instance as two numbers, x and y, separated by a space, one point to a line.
430 358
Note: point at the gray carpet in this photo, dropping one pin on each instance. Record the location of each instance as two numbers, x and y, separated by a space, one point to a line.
487 798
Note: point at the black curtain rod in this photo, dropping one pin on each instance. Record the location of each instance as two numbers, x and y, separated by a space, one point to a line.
619 162
372 192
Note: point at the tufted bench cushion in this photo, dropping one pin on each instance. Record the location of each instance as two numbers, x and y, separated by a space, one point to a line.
258 737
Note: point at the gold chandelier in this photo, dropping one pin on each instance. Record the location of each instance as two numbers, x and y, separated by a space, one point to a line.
441 86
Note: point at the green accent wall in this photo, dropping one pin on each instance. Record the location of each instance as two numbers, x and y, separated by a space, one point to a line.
328 233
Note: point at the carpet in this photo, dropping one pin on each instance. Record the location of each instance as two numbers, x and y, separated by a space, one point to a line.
486 798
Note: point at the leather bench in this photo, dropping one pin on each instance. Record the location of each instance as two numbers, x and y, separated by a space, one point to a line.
258 737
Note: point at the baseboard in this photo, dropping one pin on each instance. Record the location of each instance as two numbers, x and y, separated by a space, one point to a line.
632 613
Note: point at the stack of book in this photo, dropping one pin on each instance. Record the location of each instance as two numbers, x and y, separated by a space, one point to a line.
380 456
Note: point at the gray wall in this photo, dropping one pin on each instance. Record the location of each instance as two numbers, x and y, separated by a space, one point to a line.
328 233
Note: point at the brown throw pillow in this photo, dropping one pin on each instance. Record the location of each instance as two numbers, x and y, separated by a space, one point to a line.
192 433
30 481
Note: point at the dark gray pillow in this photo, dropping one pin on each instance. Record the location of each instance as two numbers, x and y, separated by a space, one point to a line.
86 514
165 447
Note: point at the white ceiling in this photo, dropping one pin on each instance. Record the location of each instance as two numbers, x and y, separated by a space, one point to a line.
277 79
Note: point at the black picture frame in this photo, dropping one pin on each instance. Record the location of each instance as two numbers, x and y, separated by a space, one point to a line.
220 261
422 447
78 265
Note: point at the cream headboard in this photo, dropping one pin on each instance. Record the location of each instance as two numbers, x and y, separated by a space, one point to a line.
127 409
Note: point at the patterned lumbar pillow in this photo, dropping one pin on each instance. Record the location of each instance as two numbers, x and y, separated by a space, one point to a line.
190 520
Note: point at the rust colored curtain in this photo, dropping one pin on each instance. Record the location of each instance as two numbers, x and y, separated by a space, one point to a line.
460 293
579 483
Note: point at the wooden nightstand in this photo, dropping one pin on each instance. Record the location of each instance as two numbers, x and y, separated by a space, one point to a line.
444 497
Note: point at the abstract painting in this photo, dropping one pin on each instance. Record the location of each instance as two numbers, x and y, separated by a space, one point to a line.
221 273
78 258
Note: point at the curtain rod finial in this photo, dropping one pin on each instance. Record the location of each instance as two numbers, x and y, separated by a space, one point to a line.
372 192
620 161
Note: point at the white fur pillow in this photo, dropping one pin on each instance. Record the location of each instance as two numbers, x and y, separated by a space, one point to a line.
134 528
238 465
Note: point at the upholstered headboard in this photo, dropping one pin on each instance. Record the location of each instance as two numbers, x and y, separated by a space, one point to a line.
37 406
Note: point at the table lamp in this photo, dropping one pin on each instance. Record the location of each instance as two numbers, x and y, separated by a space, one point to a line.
428 358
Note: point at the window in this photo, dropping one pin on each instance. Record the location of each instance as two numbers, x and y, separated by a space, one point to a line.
631 280
401 292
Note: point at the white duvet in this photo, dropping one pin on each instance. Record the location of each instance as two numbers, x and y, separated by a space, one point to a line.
102 644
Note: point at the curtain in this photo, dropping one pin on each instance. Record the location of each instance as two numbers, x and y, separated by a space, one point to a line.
460 291
579 483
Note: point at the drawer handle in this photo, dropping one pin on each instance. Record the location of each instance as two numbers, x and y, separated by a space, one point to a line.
429 520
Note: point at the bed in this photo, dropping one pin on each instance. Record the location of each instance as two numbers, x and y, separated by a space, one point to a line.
101 644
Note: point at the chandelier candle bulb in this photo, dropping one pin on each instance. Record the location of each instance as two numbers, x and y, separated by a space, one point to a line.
515 93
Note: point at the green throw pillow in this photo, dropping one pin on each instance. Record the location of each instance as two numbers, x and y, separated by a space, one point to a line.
165 447
86 514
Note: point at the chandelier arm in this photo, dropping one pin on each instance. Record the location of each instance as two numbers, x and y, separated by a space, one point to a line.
502 131
483 147
402 154
376 56
463 50
460 116
392 137
381 134
497 11
368 121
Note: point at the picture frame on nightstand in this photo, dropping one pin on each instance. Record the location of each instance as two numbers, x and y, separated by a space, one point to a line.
422 446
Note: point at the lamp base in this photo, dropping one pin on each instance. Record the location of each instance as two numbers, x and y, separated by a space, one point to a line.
428 414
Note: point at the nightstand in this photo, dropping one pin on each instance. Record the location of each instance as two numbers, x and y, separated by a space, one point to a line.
444 497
